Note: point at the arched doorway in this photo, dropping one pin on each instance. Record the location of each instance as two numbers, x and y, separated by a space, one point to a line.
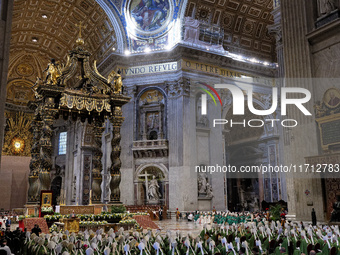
245 190
56 187
151 185
244 148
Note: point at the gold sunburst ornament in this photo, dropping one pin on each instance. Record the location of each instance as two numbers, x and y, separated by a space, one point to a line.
18 136
17 145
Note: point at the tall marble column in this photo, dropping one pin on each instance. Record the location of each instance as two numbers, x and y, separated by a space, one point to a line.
97 162
276 31
48 114
5 36
182 177
117 121
303 141
128 133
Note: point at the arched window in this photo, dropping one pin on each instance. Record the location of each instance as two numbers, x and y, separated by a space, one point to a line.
62 143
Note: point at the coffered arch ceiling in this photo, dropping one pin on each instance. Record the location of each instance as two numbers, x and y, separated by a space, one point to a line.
50 26
42 30
45 29
244 23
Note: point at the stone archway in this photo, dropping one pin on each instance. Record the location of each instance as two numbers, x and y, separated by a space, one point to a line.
151 185
56 187
243 147
252 146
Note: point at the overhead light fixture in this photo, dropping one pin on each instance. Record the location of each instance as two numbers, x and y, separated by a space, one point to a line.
34 39
147 50
127 52
44 16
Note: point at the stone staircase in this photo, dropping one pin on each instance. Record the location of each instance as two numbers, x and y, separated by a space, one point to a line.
30 222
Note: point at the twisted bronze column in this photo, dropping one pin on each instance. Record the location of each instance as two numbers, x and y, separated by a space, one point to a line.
97 162
33 179
46 146
117 121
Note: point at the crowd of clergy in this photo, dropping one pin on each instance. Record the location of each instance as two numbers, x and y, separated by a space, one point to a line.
225 233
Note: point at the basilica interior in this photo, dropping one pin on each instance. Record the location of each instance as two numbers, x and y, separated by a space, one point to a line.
115 102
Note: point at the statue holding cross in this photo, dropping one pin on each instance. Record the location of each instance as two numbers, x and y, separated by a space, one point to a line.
151 188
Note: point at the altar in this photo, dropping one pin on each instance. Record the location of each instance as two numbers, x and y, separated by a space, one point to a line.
72 224
81 209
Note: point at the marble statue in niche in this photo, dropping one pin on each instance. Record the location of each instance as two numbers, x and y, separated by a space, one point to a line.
204 187
202 183
153 190
209 191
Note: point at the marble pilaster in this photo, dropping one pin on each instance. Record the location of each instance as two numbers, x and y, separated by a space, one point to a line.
298 68
5 36
128 134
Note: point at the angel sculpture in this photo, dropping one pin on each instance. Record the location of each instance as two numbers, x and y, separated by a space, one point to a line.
34 88
117 81
53 72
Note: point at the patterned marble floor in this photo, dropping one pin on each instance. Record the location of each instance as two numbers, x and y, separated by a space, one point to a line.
184 226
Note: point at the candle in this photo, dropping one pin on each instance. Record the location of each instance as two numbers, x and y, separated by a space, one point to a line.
61 196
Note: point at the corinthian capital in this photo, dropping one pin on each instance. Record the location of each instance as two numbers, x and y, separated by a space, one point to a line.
179 88
276 31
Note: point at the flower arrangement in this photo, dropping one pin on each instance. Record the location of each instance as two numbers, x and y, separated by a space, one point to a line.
88 223
22 217
53 228
85 217
129 221
47 209
53 217
107 216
